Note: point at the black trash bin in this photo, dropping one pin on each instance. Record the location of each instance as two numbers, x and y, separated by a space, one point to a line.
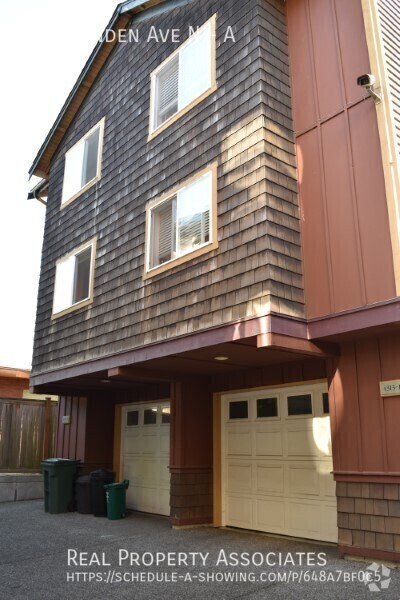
59 479
98 479
84 495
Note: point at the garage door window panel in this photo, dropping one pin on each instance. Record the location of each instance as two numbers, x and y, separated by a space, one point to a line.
239 410
150 416
132 418
300 405
267 408
165 415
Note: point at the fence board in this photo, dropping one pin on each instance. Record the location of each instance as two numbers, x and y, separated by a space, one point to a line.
23 432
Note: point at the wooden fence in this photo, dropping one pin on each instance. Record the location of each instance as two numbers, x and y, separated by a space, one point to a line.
27 433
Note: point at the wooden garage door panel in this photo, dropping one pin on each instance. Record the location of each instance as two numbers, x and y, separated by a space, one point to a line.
270 515
277 471
145 459
239 440
300 442
240 511
303 479
270 479
268 442
239 477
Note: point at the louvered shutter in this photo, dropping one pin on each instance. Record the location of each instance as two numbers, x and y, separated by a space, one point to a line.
389 18
193 214
167 84
63 287
195 67
163 233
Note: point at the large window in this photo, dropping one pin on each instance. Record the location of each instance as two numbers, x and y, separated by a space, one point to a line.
185 78
182 223
74 279
83 164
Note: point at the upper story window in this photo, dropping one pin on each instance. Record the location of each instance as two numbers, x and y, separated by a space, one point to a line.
182 224
184 79
83 164
73 286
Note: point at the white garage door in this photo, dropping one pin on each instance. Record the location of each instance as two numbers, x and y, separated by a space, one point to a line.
145 456
277 462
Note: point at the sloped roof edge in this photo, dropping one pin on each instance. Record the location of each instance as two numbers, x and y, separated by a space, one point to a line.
119 20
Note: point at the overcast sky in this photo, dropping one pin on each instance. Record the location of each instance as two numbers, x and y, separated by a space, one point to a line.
43 47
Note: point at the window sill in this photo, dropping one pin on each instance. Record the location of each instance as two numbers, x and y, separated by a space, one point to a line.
81 191
180 113
180 260
72 308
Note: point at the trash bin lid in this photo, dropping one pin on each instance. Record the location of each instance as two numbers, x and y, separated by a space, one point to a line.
122 485
60 461
83 479
103 474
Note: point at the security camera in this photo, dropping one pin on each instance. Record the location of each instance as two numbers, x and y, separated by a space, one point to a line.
367 81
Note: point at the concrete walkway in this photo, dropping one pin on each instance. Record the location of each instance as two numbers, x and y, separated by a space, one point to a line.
34 550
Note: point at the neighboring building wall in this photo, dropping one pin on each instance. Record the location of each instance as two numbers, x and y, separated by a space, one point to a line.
366 443
245 125
348 260
13 383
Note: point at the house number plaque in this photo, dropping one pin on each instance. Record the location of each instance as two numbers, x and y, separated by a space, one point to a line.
390 388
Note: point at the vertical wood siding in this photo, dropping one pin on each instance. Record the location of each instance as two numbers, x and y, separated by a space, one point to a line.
365 434
246 126
347 252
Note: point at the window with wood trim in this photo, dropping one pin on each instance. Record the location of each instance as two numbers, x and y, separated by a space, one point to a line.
181 223
183 77
73 283
83 164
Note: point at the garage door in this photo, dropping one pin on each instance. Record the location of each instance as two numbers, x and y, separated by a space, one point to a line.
145 456
277 462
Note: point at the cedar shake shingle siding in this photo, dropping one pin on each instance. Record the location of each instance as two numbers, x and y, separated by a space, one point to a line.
246 126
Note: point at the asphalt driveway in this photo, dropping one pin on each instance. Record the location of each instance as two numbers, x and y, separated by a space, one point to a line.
46 556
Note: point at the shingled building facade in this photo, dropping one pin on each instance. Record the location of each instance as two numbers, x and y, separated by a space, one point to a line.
219 295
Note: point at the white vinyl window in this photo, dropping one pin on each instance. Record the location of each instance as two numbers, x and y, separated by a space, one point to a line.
181 223
74 275
83 163
184 76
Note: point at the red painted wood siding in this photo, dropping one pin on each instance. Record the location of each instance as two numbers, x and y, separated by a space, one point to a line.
71 436
347 252
365 426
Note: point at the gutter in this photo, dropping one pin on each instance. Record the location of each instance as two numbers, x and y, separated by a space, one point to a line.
39 191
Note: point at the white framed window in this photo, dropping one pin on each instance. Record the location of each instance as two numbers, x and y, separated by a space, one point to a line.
184 78
182 223
73 286
83 164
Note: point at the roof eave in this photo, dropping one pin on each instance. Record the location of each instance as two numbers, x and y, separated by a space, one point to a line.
119 20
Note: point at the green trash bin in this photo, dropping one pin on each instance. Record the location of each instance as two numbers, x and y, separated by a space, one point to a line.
115 495
59 483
